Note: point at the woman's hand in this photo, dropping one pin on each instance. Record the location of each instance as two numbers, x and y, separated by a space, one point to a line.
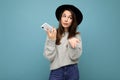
51 33
73 42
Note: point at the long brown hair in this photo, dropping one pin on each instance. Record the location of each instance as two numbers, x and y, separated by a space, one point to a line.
72 29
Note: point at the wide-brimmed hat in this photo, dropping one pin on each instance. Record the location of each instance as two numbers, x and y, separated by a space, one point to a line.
77 12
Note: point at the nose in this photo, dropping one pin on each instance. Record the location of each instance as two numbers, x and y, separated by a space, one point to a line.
66 19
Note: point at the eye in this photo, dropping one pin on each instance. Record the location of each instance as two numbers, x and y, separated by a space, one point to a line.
70 17
63 15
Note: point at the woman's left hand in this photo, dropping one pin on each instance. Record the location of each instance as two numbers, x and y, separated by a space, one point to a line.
73 42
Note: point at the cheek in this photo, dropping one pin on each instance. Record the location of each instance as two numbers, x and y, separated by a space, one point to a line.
70 22
61 20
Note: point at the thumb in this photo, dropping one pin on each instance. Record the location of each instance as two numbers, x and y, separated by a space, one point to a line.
77 40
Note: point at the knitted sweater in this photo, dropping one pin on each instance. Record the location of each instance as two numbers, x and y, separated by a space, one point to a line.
63 54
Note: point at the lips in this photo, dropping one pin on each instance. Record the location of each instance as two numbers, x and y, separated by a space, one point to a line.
65 23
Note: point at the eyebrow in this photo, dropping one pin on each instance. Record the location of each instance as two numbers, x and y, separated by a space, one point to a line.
65 14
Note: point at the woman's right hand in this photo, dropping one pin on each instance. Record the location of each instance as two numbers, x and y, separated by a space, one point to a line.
51 33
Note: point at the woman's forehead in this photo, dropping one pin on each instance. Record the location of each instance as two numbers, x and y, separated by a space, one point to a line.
67 12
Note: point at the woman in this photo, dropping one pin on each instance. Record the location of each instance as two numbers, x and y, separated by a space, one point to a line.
63 46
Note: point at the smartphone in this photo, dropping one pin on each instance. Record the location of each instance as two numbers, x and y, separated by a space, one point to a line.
46 26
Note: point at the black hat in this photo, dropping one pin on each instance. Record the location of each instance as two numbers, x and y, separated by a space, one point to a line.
77 12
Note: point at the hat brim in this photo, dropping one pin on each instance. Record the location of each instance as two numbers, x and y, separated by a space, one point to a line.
77 12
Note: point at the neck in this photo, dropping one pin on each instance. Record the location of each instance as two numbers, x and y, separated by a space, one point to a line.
66 29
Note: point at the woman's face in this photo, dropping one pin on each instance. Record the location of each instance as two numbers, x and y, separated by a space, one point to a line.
66 19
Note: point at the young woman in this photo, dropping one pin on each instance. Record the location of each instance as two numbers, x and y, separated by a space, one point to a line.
63 46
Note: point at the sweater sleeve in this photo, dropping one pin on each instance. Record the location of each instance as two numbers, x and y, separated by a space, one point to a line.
75 53
50 49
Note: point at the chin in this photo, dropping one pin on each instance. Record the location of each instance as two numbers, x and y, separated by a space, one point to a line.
65 26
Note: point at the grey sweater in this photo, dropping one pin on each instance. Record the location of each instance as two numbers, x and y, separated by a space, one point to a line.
63 54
